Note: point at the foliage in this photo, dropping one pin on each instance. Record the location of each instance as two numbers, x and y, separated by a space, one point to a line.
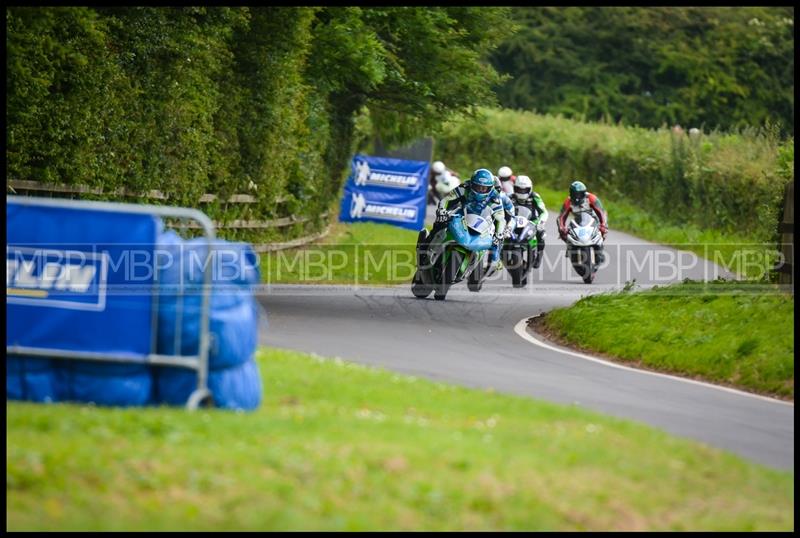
232 100
704 67
725 181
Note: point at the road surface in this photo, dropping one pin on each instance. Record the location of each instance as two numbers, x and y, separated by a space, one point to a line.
469 339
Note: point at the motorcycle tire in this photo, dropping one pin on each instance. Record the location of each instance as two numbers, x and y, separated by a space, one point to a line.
515 268
475 278
449 273
588 270
579 262
419 288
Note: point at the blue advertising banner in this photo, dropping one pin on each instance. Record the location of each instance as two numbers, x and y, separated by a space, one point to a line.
79 280
382 189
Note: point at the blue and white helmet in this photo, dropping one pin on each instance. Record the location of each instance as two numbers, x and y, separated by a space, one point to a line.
481 184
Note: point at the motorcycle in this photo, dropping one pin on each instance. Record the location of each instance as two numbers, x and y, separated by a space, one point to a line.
583 240
520 248
452 254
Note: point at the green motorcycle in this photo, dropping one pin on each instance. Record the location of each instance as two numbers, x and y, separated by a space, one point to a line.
520 247
452 254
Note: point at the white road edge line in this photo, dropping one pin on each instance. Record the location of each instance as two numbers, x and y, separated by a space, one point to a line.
521 329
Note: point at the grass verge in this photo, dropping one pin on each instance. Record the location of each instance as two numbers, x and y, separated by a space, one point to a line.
368 254
738 334
339 446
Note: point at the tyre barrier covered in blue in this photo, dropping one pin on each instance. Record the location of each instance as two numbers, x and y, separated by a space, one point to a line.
233 313
235 387
234 378
32 379
103 383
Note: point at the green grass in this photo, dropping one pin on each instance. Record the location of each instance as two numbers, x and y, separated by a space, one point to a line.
338 446
740 334
367 254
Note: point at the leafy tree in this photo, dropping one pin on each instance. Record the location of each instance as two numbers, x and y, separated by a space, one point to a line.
718 67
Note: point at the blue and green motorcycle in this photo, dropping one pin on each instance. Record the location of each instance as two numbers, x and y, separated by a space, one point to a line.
452 254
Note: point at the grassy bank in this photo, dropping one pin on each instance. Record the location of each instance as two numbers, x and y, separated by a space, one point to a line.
367 254
737 334
338 446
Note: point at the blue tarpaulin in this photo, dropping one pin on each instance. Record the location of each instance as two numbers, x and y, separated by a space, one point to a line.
83 280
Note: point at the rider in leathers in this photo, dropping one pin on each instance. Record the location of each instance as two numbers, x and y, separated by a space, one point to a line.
478 193
525 195
581 199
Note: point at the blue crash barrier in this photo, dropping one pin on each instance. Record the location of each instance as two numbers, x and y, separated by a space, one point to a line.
31 379
50 242
233 379
66 291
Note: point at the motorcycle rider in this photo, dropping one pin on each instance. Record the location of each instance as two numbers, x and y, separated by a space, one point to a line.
477 193
508 205
580 199
439 172
506 179
524 195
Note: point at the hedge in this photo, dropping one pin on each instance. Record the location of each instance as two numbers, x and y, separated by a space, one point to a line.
731 182
183 100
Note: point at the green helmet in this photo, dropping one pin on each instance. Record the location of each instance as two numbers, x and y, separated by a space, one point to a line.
577 192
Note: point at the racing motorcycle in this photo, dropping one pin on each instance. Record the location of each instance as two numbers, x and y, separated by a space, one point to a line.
454 253
583 240
520 247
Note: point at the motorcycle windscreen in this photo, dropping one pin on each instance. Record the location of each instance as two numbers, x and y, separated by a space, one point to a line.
467 240
523 211
584 218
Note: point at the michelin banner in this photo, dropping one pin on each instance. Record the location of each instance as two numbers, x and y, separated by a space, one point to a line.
382 189
79 280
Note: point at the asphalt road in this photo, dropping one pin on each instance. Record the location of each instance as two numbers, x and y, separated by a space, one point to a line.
469 339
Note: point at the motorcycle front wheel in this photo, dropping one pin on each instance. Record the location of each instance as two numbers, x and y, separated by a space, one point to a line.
475 278
588 266
449 273
515 268
419 288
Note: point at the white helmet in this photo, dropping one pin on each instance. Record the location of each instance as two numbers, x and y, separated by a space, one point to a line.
523 187
438 167
504 172
446 182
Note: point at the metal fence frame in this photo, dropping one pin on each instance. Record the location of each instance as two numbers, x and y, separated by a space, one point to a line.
197 362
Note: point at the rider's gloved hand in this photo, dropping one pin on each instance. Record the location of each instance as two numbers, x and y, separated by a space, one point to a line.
540 226
499 237
603 230
441 214
507 232
562 233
